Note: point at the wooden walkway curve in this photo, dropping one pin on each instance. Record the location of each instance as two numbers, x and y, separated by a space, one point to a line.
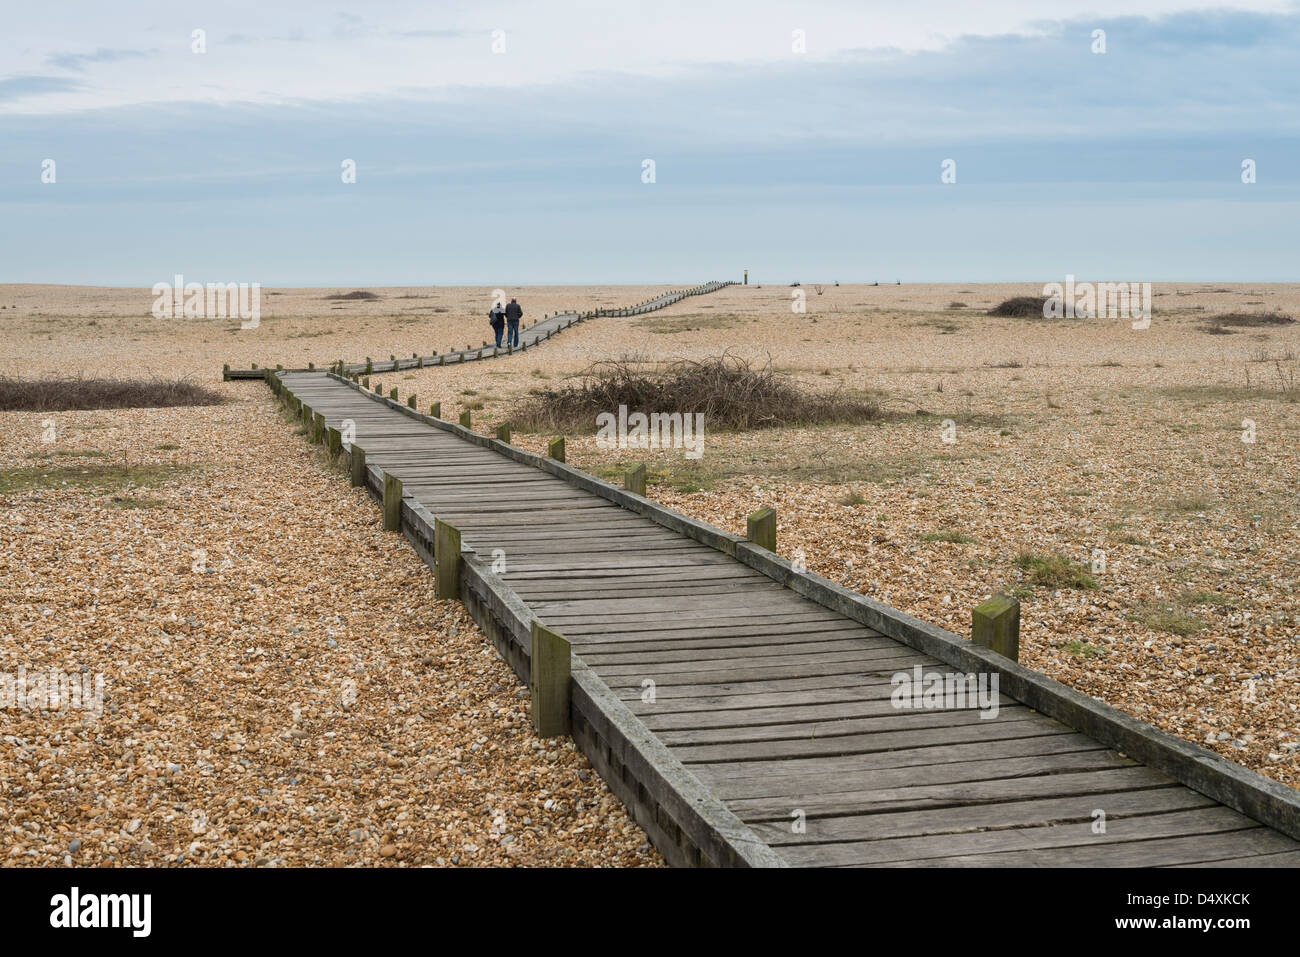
742 708
529 337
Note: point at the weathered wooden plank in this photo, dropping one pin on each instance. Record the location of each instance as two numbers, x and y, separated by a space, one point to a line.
1006 814
941 847
799 785
866 743
876 800
1161 852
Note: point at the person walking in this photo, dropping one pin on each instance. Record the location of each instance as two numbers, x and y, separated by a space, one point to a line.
497 318
514 312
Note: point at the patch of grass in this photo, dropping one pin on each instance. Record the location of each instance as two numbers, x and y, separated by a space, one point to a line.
728 391
946 327
948 535
1166 617
78 393
1250 320
167 447
360 294
669 325
1194 597
1054 571
1131 540
1076 647
88 478
1188 503
852 498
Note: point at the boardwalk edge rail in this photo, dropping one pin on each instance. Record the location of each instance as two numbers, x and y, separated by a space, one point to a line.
686 823
1241 789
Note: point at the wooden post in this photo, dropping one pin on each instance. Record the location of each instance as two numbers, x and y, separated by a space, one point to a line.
410 400
435 409
464 419
419 363
392 393
318 427
392 503
760 528
446 560
550 667
634 479
358 463
996 625
365 382
503 432
555 448
335 442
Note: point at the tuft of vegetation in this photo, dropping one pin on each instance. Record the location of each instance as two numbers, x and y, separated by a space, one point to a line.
948 535
1250 320
360 294
1055 571
1076 647
1021 307
56 394
1162 616
728 391
852 498
89 478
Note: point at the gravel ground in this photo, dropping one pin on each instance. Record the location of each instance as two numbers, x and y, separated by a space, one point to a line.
281 686
224 730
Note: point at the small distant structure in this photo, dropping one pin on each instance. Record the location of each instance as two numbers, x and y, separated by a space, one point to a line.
746 277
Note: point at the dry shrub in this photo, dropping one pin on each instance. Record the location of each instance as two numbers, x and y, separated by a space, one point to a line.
67 394
1021 307
360 294
729 391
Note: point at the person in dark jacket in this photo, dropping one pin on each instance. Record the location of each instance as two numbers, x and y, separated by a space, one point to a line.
513 314
497 317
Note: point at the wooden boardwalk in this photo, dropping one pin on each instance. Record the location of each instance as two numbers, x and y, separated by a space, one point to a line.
529 336
761 727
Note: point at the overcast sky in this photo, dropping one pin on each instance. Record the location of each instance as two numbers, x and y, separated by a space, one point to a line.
504 143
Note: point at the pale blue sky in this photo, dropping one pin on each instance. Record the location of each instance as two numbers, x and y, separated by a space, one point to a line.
486 168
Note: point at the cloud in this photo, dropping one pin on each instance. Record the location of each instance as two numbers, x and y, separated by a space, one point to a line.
77 61
16 87
435 34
